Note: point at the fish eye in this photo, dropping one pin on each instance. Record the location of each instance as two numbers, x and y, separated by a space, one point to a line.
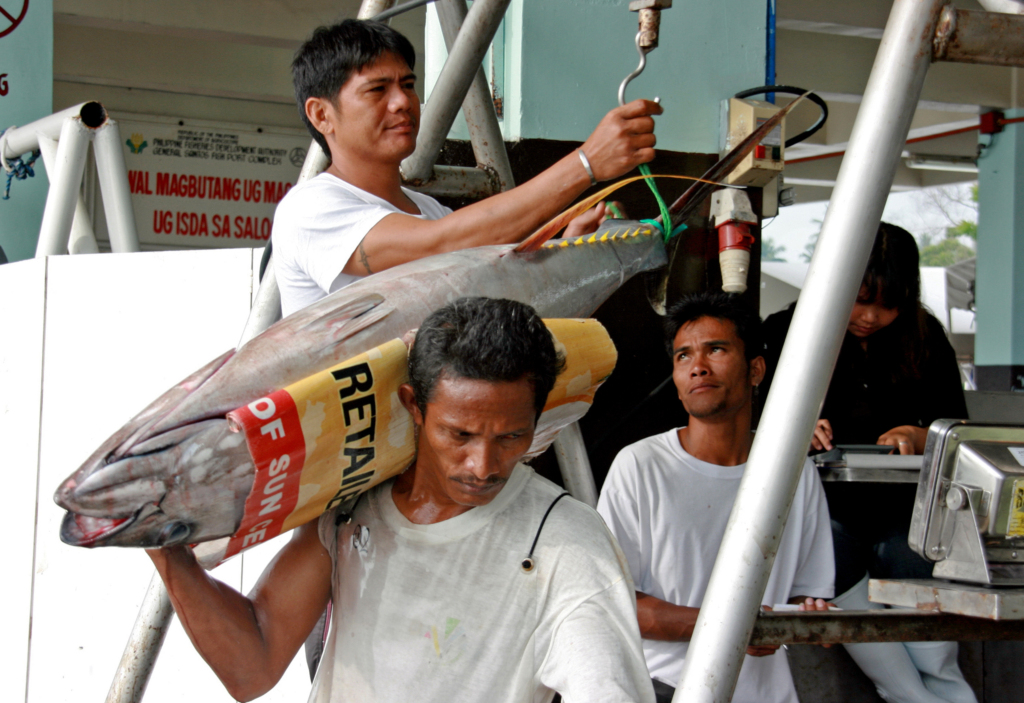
174 533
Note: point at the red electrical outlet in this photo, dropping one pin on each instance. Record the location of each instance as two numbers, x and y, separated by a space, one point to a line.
990 122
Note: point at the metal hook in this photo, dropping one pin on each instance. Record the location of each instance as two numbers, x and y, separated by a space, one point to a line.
637 72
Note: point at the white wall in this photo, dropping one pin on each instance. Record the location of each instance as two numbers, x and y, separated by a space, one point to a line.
88 342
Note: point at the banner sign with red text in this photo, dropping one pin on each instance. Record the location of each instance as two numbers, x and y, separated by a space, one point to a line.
201 186
342 431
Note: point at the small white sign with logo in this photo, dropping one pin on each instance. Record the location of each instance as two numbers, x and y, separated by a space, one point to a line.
207 186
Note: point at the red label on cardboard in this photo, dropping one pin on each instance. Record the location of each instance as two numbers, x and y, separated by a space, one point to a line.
274 435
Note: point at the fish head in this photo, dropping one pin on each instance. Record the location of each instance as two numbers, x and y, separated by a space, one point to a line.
182 486
176 473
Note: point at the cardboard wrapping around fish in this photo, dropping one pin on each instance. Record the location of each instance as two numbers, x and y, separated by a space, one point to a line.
335 434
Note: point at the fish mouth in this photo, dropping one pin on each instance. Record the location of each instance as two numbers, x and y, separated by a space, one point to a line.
84 531
80 530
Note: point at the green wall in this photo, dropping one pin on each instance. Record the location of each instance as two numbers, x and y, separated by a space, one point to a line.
564 60
999 340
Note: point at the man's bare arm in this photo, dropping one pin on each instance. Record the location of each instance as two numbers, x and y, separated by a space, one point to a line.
249 642
623 140
661 620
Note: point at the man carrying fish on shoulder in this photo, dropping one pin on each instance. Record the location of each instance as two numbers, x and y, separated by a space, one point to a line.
355 87
466 578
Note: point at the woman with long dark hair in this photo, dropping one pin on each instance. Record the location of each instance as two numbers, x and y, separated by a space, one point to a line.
895 375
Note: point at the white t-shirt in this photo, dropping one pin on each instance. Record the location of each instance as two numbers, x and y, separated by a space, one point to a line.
317 227
668 511
444 612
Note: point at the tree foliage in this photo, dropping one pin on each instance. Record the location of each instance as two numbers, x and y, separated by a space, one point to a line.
952 249
770 251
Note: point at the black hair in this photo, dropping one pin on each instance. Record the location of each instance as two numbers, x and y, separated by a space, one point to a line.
485 339
720 306
893 280
893 276
325 61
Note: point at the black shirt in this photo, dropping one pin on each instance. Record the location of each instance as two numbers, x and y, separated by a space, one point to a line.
863 402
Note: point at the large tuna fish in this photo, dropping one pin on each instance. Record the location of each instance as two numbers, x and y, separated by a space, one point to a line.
176 473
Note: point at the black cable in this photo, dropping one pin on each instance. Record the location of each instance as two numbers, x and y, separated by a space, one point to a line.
528 561
399 9
790 90
346 515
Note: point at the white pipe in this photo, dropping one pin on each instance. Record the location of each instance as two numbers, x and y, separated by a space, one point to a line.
117 197
82 240
65 182
452 85
22 140
266 307
368 9
574 463
745 558
1012 7
143 646
316 162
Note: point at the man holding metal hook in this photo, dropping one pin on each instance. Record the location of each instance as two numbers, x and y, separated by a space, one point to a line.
355 86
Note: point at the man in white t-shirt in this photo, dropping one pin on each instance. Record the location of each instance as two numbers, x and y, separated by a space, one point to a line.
467 578
356 93
667 500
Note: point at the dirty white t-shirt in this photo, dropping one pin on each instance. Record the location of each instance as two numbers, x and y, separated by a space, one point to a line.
317 227
444 612
668 510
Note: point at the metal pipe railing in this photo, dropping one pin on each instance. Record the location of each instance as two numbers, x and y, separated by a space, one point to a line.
478 107
117 197
65 181
368 9
460 182
21 140
751 539
452 85
82 239
990 38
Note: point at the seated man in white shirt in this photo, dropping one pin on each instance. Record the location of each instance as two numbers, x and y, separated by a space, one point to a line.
467 578
355 87
667 500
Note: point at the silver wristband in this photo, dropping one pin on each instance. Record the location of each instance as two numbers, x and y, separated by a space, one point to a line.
586 165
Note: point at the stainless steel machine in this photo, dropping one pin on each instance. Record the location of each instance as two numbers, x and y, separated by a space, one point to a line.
969 513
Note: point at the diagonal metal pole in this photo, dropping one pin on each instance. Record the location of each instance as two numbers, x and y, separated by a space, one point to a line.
744 562
453 85
82 239
478 107
117 202
65 181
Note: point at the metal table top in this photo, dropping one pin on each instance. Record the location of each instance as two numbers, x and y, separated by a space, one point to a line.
873 468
